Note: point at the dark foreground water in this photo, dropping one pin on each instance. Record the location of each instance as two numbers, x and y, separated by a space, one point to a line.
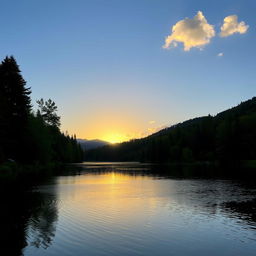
125 209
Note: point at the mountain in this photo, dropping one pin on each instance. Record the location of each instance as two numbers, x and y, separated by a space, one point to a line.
91 144
229 137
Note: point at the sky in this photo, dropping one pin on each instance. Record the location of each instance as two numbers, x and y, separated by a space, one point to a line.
119 70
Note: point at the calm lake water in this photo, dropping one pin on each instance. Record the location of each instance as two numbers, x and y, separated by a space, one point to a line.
131 209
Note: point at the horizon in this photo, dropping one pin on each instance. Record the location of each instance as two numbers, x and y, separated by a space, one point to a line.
168 126
124 70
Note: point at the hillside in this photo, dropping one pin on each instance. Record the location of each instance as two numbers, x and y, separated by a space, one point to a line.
229 137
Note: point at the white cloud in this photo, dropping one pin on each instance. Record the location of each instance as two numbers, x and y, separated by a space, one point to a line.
220 54
194 32
231 26
152 122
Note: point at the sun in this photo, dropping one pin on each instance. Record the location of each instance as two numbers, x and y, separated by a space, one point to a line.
115 138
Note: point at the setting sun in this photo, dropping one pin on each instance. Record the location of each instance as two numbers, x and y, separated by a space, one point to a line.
115 138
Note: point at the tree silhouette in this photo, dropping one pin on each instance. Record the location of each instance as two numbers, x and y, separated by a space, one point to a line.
47 110
27 137
15 107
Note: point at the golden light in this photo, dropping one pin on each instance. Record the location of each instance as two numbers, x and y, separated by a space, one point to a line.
113 128
115 138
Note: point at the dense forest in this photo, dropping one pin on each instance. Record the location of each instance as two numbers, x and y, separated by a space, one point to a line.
27 136
229 138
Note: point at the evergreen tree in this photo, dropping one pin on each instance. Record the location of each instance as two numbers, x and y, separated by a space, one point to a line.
25 136
15 108
48 111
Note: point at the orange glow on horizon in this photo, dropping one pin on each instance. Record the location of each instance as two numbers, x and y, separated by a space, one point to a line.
112 126
114 138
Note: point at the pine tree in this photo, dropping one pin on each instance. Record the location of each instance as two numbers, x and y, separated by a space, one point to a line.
15 108
48 111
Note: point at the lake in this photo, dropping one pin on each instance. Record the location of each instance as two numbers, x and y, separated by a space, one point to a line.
131 209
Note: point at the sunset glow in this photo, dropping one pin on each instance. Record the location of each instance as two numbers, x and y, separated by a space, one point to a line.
115 138
123 84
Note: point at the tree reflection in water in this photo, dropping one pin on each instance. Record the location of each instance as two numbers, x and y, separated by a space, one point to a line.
27 218
42 223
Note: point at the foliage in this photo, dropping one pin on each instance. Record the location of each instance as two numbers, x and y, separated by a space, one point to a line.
47 110
26 137
14 109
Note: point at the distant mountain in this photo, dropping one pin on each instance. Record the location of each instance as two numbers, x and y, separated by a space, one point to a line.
91 144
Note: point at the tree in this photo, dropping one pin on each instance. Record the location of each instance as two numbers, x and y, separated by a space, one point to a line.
14 109
27 137
47 110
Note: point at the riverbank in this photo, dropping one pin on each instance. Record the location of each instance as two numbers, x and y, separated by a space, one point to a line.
30 174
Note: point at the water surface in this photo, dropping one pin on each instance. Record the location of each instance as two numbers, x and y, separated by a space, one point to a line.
131 209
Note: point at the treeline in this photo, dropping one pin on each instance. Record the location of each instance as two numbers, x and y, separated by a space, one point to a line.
30 137
228 138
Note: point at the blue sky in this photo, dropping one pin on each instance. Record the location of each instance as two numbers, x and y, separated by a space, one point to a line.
103 63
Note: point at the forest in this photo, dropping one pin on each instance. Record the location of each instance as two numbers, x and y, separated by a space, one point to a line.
227 139
28 135
32 135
